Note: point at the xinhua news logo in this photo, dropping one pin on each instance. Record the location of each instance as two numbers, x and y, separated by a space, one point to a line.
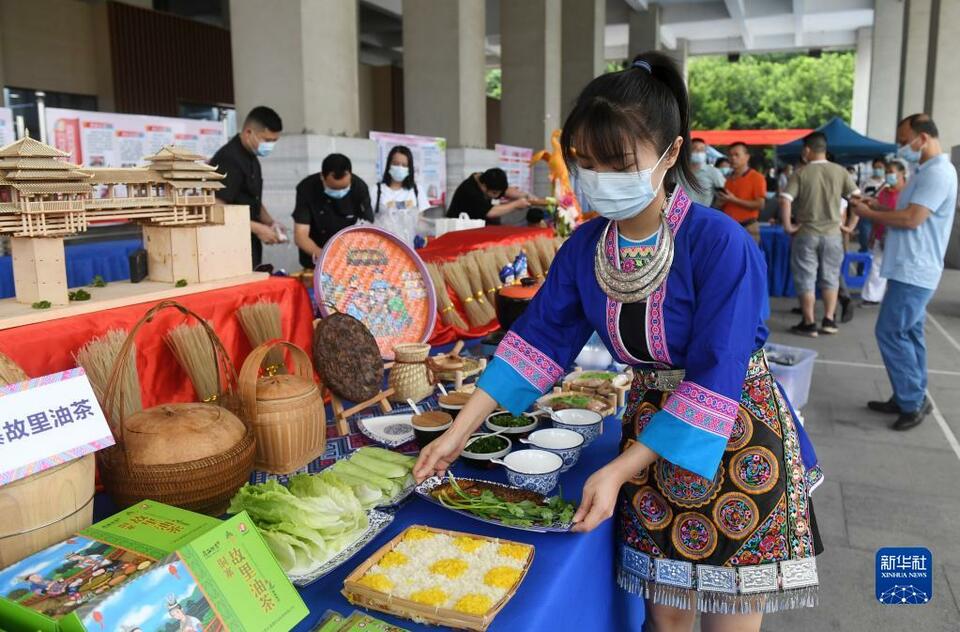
904 576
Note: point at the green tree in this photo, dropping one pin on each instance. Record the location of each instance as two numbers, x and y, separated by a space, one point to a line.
493 83
770 91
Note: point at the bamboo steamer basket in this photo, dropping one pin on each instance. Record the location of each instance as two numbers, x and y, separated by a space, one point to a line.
285 411
46 507
412 375
193 456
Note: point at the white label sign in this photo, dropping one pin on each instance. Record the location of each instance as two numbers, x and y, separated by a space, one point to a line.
47 421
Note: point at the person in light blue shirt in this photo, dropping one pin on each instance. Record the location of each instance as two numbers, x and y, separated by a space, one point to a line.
915 243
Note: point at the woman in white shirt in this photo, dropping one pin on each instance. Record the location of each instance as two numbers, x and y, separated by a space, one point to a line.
398 203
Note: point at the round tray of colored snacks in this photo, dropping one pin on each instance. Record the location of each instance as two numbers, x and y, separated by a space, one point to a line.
441 577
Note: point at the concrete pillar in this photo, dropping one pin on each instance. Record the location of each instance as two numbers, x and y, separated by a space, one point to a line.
952 258
861 79
913 84
530 60
300 58
945 90
583 23
3 81
679 55
644 31
443 70
885 61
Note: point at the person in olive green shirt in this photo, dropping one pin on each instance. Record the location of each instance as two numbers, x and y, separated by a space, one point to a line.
813 196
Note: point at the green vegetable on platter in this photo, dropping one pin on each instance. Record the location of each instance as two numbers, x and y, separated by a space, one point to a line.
521 514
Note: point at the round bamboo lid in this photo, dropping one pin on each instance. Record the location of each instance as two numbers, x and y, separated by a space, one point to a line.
178 433
456 398
280 387
431 419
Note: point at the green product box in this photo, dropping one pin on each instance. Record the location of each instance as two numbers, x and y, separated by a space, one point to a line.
151 568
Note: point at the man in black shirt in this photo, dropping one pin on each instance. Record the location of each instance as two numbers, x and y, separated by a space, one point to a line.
476 194
328 202
238 161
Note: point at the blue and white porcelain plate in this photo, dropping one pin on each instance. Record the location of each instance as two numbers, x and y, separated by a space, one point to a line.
391 431
377 522
425 488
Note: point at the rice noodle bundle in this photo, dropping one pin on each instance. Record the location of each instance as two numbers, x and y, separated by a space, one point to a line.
448 314
457 278
98 357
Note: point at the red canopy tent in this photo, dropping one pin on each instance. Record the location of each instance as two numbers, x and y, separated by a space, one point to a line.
750 136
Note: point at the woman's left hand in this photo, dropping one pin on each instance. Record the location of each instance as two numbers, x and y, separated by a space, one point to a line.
599 499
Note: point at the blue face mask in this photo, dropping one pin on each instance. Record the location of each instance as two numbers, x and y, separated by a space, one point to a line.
908 153
336 194
878 173
698 158
618 196
399 173
264 147
891 180
726 171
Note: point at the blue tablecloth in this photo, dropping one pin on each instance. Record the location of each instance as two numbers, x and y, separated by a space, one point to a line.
84 261
570 586
776 247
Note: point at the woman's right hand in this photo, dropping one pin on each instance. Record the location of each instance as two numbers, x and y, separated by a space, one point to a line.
438 456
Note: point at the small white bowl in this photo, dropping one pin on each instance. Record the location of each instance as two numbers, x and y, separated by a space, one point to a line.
584 422
564 443
533 470
512 430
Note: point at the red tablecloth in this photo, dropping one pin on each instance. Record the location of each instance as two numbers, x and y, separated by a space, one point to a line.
49 347
452 245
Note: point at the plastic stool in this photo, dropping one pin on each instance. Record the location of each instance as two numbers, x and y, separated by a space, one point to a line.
856 281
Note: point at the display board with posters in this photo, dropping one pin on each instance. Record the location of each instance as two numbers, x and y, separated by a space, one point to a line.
106 139
429 161
515 161
7 134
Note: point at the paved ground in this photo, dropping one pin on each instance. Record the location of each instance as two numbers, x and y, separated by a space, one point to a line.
882 488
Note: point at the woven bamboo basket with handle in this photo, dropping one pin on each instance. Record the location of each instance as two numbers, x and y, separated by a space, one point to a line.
285 410
412 374
193 456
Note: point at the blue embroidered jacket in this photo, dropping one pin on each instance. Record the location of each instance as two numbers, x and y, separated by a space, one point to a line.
705 318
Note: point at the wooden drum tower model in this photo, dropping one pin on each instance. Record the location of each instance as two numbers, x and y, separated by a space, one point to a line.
187 235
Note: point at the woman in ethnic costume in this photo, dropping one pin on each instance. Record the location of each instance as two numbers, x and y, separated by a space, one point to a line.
711 487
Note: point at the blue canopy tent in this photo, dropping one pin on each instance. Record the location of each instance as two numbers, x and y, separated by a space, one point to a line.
847 146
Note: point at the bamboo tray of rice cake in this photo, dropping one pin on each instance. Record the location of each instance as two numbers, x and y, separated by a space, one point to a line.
441 577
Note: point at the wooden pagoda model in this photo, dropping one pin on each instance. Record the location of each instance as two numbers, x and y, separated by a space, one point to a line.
40 193
44 198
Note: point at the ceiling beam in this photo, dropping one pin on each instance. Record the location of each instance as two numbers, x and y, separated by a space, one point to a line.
637 5
830 40
798 10
739 14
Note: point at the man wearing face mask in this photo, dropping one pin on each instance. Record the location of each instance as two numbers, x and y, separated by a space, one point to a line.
328 202
707 176
915 242
723 166
239 161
